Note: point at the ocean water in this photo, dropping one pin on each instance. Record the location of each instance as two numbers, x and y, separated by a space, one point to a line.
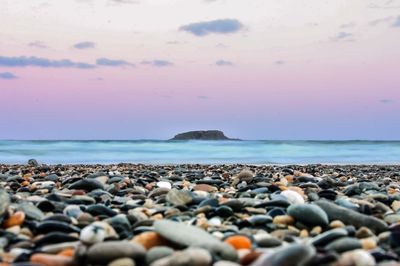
210 152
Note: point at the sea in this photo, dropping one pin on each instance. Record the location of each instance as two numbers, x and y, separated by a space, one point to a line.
199 152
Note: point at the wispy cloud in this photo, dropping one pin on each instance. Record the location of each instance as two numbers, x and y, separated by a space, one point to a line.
203 97
25 61
219 26
380 21
84 45
7 75
343 36
397 22
38 44
223 63
387 101
157 63
124 1
348 25
112 62
279 62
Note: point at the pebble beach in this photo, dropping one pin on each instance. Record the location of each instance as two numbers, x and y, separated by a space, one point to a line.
199 215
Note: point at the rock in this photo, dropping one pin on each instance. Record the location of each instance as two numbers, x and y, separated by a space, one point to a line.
344 244
105 252
149 240
87 184
31 211
245 175
157 253
51 260
17 218
33 162
92 234
329 236
187 257
201 135
122 262
292 255
4 202
239 242
179 197
164 184
267 241
185 235
354 218
308 214
293 197
355 258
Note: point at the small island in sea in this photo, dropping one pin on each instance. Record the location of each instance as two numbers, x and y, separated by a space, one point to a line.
202 135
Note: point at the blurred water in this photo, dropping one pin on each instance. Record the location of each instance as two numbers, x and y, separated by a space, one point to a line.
176 152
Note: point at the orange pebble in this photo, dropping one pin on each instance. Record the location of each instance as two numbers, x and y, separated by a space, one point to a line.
239 242
69 252
149 240
52 260
17 218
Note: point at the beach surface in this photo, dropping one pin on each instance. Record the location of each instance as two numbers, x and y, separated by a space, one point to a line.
198 214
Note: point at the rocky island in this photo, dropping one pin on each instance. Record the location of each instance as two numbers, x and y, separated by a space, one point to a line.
202 135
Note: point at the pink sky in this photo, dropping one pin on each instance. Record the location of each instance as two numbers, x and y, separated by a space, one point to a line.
260 70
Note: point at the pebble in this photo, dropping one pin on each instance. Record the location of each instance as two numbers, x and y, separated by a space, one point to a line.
186 235
239 242
308 214
357 219
106 252
231 215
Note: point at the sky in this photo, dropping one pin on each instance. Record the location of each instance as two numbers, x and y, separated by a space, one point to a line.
148 69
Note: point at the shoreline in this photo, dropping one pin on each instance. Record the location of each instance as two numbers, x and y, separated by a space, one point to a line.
201 214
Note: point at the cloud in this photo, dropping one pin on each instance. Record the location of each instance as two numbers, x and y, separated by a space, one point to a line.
38 44
203 97
279 62
7 75
343 36
26 61
219 26
387 101
112 62
348 25
124 1
380 21
84 45
157 63
223 63
397 22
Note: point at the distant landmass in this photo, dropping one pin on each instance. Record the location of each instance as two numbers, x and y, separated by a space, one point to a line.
202 135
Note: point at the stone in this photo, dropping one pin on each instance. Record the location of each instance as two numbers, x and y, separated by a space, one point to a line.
292 255
186 235
92 234
188 257
179 197
87 184
308 214
4 202
157 253
355 257
354 218
51 260
149 240
239 242
106 252
31 211
122 262
17 218
33 162
344 244
293 197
